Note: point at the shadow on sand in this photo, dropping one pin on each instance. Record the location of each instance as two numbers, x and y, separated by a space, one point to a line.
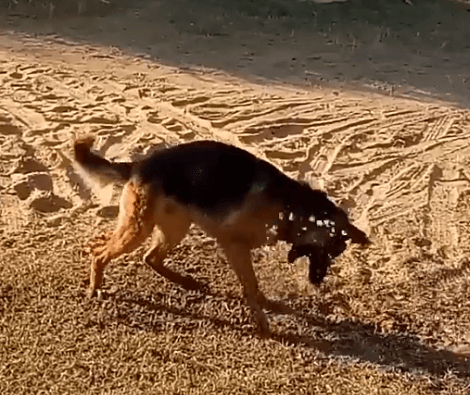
410 47
361 341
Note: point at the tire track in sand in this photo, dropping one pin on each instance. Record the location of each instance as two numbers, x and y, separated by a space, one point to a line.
391 158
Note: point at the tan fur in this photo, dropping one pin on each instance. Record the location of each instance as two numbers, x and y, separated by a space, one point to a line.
145 210
101 187
142 212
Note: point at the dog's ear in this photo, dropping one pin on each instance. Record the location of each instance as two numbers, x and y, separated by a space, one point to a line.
346 205
292 255
358 236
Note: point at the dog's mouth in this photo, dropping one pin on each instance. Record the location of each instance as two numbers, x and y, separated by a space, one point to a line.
321 239
321 257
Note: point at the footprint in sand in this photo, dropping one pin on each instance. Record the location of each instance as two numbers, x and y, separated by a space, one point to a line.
9 129
47 202
154 117
36 188
25 184
29 165
9 126
262 132
180 129
198 99
31 180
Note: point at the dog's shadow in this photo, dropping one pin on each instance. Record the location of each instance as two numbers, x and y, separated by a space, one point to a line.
357 340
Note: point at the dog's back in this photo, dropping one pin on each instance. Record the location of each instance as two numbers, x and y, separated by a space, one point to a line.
210 176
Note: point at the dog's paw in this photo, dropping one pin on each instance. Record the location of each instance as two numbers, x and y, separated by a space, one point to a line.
263 327
278 307
99 241
91 293
191 284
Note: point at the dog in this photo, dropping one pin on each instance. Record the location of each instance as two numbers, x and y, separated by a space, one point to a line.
240 200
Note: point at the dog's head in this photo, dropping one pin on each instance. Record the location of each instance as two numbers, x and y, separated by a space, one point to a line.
320 257
318 229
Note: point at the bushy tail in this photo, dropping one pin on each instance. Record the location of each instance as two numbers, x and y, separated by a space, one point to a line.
95 169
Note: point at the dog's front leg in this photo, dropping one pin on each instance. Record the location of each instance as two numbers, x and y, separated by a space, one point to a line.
99 261
239 256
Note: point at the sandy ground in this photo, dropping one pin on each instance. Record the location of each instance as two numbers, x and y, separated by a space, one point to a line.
387 157
419 50
399 310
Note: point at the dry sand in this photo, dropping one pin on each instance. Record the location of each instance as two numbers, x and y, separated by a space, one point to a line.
390 45
399 310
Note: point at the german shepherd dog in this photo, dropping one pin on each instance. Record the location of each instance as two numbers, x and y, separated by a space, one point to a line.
240 200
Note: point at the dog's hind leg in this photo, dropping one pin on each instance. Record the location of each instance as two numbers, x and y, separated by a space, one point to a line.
172 225
239 256
135 223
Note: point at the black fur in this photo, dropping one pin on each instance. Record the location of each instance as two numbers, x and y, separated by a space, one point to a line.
217 179
95 164
320 257
316 228
209 175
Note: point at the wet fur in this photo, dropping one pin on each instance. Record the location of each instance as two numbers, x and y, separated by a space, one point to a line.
240 200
